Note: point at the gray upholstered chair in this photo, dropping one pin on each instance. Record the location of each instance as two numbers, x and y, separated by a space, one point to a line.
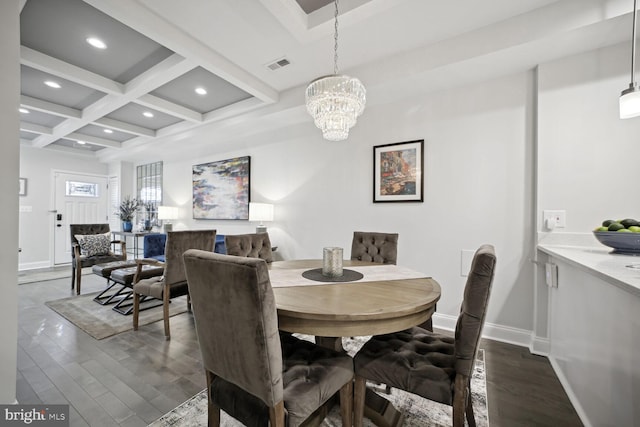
91 245
256 245
254 373
434 366
173 283
375 247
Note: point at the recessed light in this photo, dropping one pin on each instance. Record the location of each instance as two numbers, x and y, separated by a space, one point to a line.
108 131
148 114
96 42
81 142
24 111
53 84
201 91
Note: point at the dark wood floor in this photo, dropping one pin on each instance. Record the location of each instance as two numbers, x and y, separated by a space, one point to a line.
133 378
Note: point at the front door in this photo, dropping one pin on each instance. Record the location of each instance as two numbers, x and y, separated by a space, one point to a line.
78 199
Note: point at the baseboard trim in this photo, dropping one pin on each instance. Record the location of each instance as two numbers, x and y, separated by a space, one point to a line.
33 265
506 334
540 346
570 394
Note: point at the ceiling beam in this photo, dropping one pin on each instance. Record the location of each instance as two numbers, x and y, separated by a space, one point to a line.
39 129
50 107
156 76
40 61
75 136
169 107
147 22
125 127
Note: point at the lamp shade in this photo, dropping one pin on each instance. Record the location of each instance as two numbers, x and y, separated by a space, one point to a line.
260 212
630 103
167 212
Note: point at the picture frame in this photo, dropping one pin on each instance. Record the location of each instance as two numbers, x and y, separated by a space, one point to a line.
398 172
221 189
22 186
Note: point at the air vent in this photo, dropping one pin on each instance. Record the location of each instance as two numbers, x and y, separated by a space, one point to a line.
275 65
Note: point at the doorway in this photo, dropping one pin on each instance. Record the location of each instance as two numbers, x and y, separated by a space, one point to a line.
78 199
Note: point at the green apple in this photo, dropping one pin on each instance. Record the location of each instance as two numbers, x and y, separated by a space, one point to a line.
604 229
624 230
635 228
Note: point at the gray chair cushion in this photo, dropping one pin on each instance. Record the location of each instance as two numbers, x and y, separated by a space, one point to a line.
414 360
256 245
125 276
375 247
311 375
106 269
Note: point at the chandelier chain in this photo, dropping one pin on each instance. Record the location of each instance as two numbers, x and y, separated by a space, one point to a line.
335 41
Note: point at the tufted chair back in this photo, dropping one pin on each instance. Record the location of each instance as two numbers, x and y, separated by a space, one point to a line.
154 246
474 308
257 245
375 247
253 373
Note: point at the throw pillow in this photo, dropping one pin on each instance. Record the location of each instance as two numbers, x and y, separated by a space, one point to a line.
94 244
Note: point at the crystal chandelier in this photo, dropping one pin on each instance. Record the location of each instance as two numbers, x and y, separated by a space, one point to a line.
335 101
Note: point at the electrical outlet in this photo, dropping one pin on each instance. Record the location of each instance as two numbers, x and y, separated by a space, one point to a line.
554 219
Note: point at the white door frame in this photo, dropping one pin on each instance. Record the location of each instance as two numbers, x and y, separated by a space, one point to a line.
52 204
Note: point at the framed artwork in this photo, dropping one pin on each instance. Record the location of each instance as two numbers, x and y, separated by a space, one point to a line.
398 172
22 188
221 189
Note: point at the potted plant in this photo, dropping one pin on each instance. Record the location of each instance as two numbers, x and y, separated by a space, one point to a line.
128 208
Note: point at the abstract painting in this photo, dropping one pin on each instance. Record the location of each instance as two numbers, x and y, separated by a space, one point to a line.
397 172
221 189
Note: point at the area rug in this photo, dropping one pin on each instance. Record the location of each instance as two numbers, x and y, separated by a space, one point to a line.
100 321
418 412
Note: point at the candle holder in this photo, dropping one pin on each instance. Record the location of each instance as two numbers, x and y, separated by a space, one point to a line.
332 262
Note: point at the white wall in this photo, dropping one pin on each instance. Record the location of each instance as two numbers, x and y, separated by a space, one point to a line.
478 186
9 173
36 226
588 157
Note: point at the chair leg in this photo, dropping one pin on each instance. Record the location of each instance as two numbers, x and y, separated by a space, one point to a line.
459 400
136 310
346 404
213 410
73 277
276 415
471 420
188 302
78 278
358 401
165 312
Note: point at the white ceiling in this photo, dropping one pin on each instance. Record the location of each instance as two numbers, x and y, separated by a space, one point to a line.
159 50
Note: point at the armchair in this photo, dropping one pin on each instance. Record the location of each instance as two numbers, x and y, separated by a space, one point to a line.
91 245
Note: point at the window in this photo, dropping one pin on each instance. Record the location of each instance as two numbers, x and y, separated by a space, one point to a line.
149 191
81 189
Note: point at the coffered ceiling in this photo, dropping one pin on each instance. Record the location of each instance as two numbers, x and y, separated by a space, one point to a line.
141 88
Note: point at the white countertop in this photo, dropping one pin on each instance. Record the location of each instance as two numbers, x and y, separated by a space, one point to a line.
612 268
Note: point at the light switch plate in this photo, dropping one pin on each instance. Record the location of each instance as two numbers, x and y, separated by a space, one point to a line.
554 219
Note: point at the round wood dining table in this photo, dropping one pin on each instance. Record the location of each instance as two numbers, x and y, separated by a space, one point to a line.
392 300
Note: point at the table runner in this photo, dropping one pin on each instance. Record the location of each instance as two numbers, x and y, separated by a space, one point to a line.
281 278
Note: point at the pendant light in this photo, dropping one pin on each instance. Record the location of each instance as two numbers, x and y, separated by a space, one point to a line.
630 97
335 101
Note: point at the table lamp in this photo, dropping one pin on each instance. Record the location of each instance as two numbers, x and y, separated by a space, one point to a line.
260 212
167 213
